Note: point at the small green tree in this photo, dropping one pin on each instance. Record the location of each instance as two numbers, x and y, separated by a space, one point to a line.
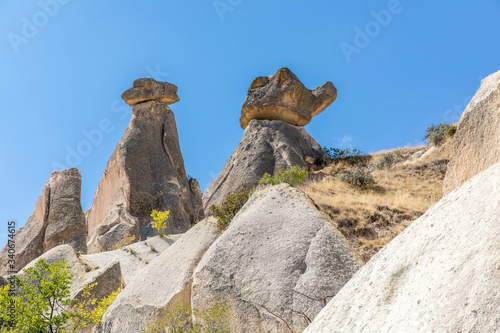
294 176
159 221
40 299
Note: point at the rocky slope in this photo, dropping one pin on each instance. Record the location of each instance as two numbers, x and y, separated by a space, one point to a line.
439 275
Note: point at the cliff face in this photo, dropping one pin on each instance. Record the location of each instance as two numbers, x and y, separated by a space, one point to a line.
476 144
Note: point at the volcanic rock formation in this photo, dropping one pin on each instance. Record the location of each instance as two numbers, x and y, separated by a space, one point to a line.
277 265
145 172
266 146
58 219
283 97
476 144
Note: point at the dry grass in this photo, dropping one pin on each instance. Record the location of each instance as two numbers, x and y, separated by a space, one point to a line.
370 217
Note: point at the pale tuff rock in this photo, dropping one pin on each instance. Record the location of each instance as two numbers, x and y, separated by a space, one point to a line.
58 219
283 97
266 147
133 258
476 144
151 90
162 284
145 172
439 275
276 265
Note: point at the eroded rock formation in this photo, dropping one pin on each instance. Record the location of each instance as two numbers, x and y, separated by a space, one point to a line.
476 144
278 264
283 97
145 172
58 219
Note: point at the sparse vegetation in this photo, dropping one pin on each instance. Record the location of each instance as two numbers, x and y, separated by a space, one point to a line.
294 176
230 207
127 240
389 159
349 155
358 177
179 319
437 135
371 216
159 221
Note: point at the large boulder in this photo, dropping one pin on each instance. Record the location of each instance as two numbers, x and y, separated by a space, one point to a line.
108 277
439 275
145 172
165 282
277 265
266 147
145 90
476 144
283 97
58 219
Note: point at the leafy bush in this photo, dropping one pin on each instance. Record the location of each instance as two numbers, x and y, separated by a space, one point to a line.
351 156
179 319
389 159
451 131
359 177
159 221
437 135
88 312
41 297
228 209
294 176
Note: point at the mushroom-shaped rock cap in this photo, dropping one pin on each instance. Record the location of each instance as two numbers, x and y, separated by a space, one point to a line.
151 90
283 97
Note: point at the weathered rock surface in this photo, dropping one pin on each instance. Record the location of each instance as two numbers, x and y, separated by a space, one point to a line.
266 146
439 275
279 263
476 144
145 172
165 282
283 97
151 90
58 218
109 277
133 258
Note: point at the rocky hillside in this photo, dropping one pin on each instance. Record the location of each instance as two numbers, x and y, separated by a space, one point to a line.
367 244
407 182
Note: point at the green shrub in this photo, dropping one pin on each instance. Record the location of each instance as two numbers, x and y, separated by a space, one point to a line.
179 319
389 159
228 209
451 131
437 135
294 176
351 156
359 177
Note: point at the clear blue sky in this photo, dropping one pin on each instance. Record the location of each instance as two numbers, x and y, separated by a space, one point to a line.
64 69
